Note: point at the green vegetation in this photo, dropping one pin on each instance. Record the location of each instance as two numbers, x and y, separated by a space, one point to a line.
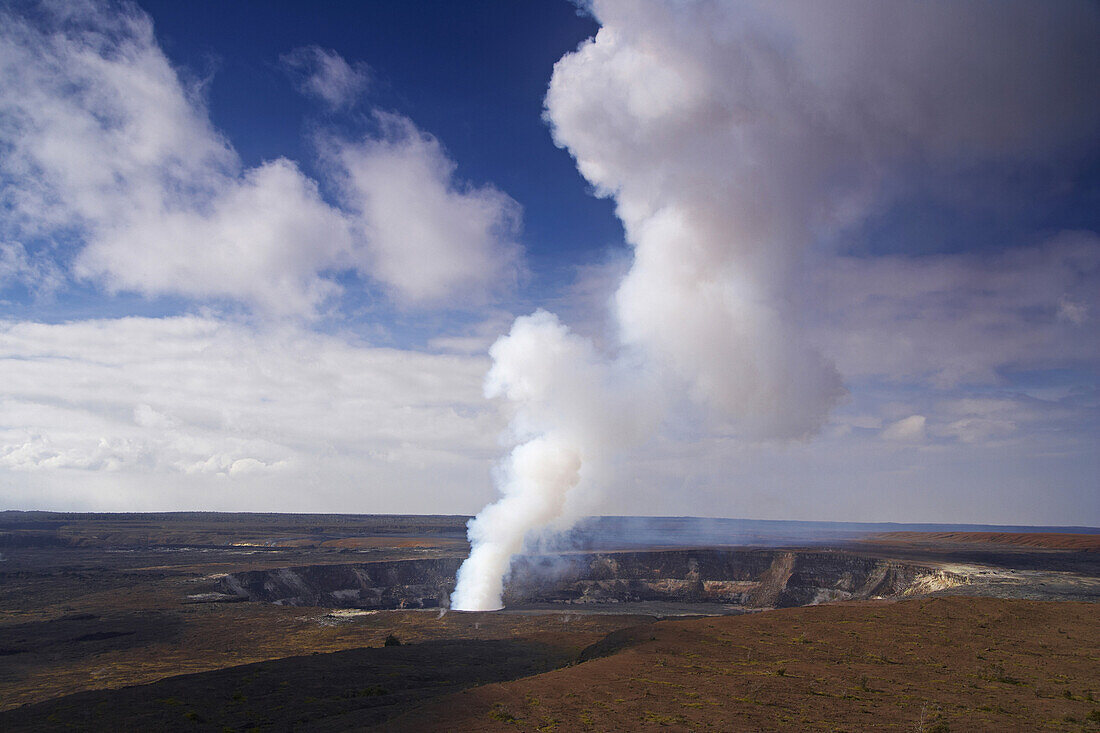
497 712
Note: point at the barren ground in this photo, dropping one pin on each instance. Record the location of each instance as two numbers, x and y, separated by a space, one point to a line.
101 629
1047 540
953 663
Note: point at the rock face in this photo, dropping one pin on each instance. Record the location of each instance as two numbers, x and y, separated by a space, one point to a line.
744 577
395 584
750 578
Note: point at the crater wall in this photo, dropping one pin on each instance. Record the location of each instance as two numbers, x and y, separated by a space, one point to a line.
753 578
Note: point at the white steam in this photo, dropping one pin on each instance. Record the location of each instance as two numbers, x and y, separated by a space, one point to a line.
736 138
575 412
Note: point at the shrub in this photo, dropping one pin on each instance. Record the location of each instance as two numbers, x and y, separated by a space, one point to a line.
499 713
392 640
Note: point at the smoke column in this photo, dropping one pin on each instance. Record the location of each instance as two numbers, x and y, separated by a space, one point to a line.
575 412
739 141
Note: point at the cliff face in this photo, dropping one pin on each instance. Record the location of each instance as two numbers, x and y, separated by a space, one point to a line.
750 578
395 584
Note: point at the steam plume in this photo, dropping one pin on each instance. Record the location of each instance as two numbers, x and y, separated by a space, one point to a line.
574 413
735 138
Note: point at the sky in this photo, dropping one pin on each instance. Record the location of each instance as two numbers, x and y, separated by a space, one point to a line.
775 260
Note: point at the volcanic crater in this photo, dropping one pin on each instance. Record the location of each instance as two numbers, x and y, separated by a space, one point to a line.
729 578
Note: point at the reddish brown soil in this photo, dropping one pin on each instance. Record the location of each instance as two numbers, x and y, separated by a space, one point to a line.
957 664
1051 540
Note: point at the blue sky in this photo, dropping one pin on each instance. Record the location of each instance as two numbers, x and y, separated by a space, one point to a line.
833 263
474 75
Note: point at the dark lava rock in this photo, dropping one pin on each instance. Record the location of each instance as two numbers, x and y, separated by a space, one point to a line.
319 692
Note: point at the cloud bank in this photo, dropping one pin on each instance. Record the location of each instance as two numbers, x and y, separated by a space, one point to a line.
93 407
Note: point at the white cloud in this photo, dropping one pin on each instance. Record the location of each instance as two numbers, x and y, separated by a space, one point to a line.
105 140
430 238
266 239
107 147
37 273
907 429
179 413
152 399
324 74
97 121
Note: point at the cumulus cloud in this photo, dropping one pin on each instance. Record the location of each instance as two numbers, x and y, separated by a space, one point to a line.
324 74
96 120
431 238
107 141
200 399
265 239
107 147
